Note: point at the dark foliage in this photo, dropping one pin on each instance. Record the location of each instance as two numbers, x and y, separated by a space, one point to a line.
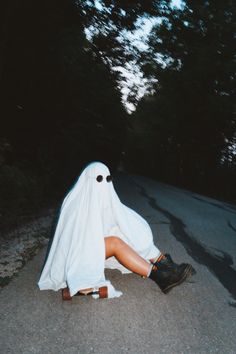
59 105
188 125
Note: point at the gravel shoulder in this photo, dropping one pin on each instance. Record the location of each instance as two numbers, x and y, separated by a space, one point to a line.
21 244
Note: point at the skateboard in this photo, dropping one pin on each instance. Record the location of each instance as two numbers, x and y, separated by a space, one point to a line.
102 292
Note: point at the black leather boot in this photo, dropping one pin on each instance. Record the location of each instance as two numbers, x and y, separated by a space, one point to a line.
167 277
168 262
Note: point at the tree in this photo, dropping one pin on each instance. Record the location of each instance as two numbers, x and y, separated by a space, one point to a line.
60 106
193 108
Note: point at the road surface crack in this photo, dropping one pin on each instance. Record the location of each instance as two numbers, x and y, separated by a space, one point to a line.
219 266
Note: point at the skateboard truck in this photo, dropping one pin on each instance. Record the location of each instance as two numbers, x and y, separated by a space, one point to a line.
102 292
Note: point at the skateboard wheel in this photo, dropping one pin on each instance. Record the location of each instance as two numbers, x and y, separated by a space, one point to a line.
66 294
103 292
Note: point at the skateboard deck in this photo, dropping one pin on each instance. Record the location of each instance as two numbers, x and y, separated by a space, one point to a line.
102 292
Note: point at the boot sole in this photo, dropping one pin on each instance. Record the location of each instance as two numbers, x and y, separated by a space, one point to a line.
193 271
185 275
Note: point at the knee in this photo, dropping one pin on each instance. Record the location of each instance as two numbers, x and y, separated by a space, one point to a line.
115 242
113 246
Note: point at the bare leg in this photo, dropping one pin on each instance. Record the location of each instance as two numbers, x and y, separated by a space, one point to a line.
114 246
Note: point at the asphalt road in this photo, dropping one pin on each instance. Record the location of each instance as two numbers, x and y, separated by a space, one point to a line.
196 317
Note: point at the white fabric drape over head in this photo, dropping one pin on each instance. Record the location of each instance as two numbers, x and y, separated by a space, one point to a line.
91 211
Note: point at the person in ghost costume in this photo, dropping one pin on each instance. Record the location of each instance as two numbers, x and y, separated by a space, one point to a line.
95 231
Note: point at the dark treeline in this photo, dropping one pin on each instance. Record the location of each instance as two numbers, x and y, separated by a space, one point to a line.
184 132
61 108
